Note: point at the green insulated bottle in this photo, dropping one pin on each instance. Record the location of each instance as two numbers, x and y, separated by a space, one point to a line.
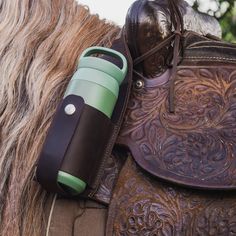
97 81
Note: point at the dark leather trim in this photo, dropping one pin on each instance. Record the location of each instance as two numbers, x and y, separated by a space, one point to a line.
56 143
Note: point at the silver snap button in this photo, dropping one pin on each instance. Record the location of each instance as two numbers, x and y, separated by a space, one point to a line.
139 84
70 109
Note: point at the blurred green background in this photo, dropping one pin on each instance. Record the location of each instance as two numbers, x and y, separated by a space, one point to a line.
224 11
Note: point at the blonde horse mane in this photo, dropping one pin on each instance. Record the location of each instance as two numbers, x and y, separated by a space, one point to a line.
40 42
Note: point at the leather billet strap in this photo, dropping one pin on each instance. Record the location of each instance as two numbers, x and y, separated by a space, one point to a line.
62 147
177 21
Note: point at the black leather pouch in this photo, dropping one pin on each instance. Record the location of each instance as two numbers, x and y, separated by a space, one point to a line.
80 144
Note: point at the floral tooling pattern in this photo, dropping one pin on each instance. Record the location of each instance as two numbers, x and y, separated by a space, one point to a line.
143 206
196 144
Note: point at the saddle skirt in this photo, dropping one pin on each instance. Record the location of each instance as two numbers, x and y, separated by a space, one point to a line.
196 145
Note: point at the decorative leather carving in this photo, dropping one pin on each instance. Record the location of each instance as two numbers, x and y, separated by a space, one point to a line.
196 145
143 206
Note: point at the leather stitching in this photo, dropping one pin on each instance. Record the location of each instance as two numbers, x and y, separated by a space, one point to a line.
216 58
208 43
214 46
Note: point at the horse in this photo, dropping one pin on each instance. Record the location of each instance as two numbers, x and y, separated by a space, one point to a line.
40 44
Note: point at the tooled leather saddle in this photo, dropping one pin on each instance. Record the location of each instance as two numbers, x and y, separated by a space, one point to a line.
173 170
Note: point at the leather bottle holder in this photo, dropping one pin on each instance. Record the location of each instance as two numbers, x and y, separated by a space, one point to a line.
74 144
88 133
89 142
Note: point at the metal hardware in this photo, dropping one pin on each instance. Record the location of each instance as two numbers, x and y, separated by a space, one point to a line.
139 84
70 109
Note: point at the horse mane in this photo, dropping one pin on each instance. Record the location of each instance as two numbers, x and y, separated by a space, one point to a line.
40 42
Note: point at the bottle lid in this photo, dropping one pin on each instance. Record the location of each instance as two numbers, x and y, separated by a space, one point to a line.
102 64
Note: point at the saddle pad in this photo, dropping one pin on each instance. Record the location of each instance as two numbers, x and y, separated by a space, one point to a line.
196 145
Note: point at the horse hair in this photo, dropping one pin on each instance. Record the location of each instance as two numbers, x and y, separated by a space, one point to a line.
40 42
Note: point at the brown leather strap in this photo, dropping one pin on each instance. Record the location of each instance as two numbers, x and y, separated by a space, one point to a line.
178 34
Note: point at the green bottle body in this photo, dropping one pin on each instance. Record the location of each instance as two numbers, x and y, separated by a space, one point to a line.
97 81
